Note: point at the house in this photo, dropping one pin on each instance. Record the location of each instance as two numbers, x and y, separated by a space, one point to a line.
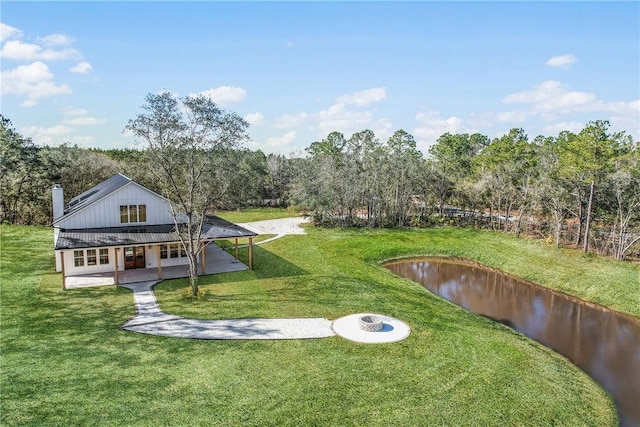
119 226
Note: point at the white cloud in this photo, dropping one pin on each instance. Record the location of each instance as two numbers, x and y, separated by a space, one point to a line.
15 49
254 119
289 44
552 96
81 68
290 121
283 141
47 135
7 31
84 121
55 135
58 130
516 116
72 111
364 97
224 95
338 118
551 100
562 61
57 40
35 81
556 128
382 129
432 126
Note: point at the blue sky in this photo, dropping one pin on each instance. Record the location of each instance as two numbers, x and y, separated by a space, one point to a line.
78 71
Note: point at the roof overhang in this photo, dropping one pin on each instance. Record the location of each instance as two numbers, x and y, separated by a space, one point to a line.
213 228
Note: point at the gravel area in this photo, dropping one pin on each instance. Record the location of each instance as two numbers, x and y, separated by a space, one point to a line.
277 226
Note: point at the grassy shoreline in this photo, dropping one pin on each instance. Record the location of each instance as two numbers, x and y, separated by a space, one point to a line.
64 360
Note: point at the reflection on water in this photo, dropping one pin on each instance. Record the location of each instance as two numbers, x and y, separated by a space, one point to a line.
603 343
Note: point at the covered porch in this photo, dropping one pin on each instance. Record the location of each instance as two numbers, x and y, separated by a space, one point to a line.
216 259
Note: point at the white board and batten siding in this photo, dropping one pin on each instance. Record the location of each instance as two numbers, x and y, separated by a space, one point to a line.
72 270
106 211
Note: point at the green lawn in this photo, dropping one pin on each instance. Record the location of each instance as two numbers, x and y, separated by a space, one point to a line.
65 362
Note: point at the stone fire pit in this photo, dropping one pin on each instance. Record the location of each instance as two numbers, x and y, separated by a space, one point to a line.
370 323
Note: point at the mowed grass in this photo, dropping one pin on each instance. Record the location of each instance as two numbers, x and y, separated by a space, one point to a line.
66 362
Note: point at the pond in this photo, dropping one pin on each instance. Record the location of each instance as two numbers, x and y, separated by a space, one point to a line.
603 343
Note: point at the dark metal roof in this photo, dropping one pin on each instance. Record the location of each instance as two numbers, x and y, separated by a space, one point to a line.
214 228
218 228
95 193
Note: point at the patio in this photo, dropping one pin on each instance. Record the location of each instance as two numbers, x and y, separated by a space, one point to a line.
216 261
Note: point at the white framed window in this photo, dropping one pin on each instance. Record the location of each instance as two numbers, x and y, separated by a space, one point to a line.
104 256
78 258
174 250
164 252
133 213
92 258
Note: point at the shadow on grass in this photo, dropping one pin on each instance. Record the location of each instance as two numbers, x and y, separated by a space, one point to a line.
266 265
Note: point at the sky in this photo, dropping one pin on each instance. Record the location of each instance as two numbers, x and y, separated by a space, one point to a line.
77 72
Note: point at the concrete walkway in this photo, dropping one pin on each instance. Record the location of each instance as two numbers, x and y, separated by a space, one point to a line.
151 320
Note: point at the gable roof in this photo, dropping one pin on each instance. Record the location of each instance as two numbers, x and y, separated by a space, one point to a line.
94 194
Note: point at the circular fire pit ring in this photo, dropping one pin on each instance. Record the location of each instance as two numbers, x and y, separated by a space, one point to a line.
353 328
370 323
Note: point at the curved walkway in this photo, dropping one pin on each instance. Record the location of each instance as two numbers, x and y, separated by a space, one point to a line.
151 320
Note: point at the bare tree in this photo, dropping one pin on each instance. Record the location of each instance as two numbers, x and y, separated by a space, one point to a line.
186 140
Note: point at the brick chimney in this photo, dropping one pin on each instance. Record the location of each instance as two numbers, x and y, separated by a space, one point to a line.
58 201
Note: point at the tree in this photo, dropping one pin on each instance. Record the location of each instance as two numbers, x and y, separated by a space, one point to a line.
403 164
624 183
19 168
588 157
277 179
186 140
451 159
506 166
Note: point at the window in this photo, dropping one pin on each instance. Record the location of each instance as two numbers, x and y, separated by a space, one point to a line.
78 258
133 213
142 213
91 257
174 251
104 256
124 214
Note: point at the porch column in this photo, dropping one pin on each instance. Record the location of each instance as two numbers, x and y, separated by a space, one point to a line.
64 278
204 248
116 279
159 262
236 248
250 253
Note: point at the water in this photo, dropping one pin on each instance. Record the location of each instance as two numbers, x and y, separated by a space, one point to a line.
603 343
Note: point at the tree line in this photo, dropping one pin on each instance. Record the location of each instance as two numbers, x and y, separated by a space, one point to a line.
575 189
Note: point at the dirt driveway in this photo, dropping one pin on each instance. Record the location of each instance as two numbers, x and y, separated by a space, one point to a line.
281 226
